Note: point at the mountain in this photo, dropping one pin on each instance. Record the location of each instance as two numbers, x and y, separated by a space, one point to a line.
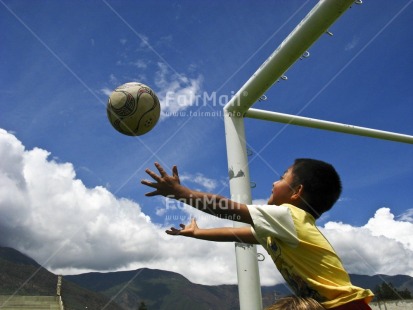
21 275
400 282
161 290
158 289
11 255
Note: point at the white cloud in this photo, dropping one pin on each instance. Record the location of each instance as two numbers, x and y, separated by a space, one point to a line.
177 92
106 91
382 246
161 211
140 64
407 216
50 215
144 41
50 210
352 44
113 79
200 180
384 224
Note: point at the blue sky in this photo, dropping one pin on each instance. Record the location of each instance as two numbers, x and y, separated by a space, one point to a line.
61 59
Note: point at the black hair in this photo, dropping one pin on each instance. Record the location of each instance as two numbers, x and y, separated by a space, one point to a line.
321 184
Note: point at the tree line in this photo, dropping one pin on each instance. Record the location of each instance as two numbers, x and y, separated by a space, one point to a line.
386 291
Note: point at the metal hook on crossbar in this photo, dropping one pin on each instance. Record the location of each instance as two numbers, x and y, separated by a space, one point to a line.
283 77
306 54
263 98
357 2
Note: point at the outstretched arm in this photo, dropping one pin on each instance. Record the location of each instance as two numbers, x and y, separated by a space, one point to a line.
222 234
170 186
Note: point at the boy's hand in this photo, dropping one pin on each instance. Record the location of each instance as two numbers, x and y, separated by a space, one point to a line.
170 186
219 234
165 184
188 230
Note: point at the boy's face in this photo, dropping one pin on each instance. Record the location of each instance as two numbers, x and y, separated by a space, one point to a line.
281 190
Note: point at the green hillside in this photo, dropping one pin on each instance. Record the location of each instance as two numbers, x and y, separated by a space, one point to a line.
157 289
22 276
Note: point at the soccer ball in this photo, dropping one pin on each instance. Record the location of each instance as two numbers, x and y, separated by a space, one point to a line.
133 109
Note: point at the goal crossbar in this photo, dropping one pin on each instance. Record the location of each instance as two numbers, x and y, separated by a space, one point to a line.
327 125
295 45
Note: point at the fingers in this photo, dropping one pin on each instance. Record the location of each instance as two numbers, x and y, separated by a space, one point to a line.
161 170
148 183
175 172
153 175
171 232
162 181
174 231
151 194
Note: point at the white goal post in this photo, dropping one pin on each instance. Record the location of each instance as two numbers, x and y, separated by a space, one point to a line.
315 24
327 125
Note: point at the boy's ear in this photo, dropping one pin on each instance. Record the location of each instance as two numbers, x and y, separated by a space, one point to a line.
298 192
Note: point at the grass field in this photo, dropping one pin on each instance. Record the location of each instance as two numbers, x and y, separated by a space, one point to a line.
392 305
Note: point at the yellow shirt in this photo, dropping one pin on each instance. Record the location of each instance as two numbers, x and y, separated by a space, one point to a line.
303 255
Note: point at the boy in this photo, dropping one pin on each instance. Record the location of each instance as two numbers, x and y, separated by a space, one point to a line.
285 227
